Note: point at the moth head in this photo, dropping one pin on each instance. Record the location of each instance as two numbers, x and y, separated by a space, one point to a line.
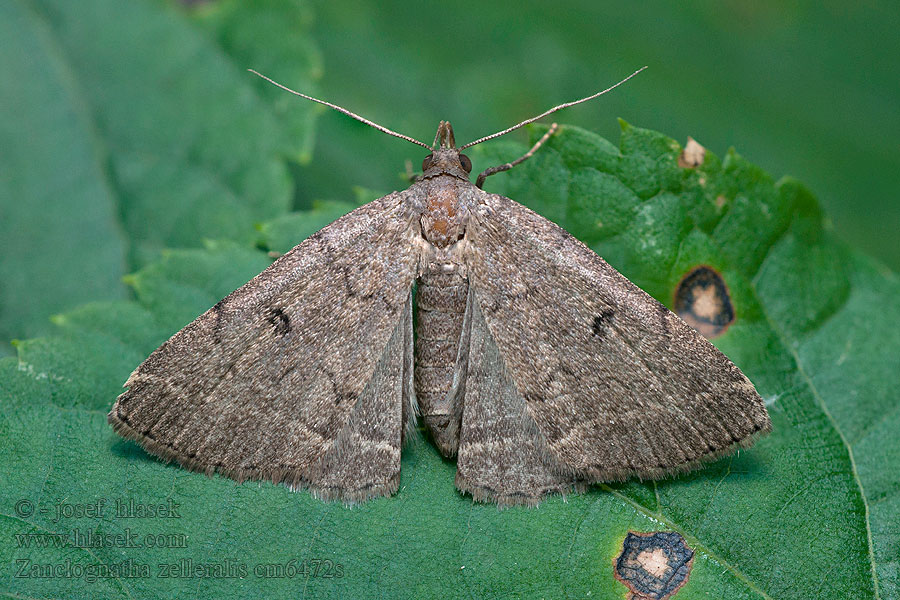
445 157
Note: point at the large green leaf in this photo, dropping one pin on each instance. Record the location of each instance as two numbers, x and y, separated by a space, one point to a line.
192 147
806 513
127 128
266 35
60 240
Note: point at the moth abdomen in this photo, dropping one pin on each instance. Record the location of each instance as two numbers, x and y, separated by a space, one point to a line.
440 309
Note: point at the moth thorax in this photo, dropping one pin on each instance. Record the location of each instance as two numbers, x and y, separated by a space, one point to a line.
442 221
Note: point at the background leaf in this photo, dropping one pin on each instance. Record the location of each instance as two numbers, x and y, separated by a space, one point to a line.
60 240
805 513
288 55
129 127
198 161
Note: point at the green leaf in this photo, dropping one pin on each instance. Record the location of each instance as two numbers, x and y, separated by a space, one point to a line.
193 149
283 233
285 56
806 513
129 127
816 331
60 240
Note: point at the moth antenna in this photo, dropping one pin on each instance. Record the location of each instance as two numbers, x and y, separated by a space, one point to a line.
551 111
341 109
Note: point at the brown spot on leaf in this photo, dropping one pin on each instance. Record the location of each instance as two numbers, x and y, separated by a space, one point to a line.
703 301
692 156
653 565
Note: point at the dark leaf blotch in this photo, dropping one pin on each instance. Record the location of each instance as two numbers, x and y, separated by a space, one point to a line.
703 301
653 565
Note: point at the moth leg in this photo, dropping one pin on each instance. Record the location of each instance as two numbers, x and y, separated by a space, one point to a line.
411 175
500 168
502 455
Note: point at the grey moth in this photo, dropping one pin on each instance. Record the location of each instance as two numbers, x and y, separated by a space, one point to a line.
529 359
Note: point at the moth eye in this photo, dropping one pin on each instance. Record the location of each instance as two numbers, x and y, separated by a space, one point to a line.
465 162
426 164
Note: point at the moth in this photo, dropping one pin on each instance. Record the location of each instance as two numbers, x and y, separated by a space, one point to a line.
529 358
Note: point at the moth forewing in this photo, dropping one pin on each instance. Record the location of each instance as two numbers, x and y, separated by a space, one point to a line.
615 383
301 375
